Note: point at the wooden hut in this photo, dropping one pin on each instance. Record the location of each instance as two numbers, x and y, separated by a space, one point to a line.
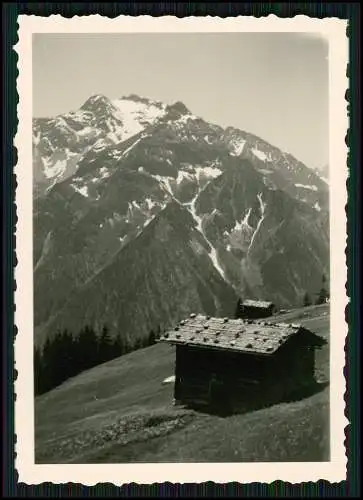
255 309
232 364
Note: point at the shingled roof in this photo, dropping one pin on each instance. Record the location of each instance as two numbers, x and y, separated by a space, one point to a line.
258 337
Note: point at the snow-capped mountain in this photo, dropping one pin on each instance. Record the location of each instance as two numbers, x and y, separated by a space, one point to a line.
59 143
145 212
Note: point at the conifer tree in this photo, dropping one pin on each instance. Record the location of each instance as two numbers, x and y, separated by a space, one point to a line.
322 297
49 364
38 371
158 332
238 310
137 344
87 348
323 293
145 341
105 346
152 338
118 345
66 364
307 300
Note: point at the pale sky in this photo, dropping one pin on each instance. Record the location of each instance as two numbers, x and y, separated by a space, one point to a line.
274 85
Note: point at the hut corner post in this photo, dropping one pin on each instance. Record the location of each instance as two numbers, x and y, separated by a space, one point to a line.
177 400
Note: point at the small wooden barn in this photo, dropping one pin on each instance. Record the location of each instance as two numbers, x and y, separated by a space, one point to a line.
255 309
235 364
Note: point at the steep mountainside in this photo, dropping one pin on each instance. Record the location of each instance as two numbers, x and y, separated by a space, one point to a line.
145 212
156 280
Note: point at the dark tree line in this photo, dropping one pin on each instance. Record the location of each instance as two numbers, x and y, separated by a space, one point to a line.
66 355
321 297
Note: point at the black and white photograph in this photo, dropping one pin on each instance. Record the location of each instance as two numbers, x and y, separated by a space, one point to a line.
181 258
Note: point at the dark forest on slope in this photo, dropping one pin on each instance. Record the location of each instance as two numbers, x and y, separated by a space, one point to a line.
66 355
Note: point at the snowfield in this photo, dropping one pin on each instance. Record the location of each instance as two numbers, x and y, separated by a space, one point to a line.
304 186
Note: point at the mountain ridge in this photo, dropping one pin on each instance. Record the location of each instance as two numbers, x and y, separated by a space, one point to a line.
253 216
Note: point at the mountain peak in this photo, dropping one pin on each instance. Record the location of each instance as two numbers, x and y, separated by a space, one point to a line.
137 98
96 101
180 107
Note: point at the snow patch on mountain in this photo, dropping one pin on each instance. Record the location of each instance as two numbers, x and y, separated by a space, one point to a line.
304 186
85 131
135 115
115 132
265 171
185 118
63 124
211 172
150 203
189 173
54 170
259 154
263 205
317 206
147 222
244 222
36 138
238 147
214 258
195 216
105 173
164 182
199 226
127 150
100 144
262 211
83 190
183 175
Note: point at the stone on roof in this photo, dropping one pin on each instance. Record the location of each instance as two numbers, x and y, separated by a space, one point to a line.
256 337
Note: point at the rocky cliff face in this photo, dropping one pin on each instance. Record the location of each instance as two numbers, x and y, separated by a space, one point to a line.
145 212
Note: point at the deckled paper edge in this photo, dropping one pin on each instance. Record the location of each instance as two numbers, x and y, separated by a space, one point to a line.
29 472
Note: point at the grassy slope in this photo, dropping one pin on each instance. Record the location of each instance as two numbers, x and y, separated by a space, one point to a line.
121 412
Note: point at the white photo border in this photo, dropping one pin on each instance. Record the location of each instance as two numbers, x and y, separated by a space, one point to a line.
30 473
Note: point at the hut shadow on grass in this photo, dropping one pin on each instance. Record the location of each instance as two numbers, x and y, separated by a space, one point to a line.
305 392
255 402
